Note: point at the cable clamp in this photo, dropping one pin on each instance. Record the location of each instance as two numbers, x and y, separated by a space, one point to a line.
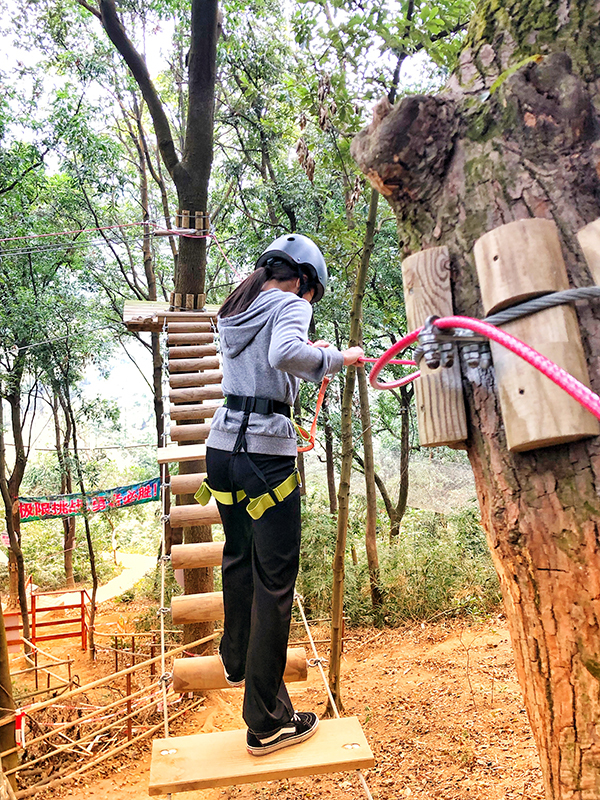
166 485
165 558
314 662
166 677
298 597
165 518
163 610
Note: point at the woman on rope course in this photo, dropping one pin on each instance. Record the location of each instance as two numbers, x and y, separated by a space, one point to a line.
251 472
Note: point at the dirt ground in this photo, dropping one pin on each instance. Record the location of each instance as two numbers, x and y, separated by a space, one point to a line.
439 704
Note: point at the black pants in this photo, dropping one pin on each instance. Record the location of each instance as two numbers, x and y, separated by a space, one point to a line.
260 566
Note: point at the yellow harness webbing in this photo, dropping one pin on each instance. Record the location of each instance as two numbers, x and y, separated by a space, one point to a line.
257 505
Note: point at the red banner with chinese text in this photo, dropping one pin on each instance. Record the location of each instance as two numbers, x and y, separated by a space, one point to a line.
67 505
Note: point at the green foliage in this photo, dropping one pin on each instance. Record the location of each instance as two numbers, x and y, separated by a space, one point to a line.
440 565
42 545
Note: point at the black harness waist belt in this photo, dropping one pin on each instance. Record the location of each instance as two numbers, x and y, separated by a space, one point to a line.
257 405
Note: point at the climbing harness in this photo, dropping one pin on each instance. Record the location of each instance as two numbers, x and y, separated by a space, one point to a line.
257 505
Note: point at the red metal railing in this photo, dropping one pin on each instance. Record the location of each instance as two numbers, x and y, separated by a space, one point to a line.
80 620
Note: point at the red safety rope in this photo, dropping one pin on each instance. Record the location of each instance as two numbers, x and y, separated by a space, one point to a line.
310 437
574 388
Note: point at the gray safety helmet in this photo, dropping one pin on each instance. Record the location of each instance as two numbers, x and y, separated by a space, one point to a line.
302 252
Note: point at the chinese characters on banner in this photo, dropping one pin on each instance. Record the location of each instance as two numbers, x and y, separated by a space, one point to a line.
67 505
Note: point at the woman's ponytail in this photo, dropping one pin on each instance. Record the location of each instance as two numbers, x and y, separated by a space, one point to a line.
243 295
249 289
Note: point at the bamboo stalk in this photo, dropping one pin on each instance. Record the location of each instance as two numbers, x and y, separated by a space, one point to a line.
33 790
88 738
79 720
101 681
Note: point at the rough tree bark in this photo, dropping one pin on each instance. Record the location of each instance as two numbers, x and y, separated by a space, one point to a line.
454 166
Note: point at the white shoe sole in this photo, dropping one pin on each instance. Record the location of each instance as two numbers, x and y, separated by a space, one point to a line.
271 748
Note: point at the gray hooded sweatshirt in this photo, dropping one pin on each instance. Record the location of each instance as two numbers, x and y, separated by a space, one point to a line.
265 354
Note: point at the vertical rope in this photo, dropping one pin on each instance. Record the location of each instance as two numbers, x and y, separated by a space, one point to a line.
318 661
164 488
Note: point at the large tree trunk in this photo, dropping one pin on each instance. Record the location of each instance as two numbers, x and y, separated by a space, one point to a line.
453 167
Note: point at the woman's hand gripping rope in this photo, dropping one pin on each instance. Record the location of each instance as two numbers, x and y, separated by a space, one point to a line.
353 355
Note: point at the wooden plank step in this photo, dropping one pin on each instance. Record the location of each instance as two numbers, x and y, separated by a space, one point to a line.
180 339
202 673
193 364
184 322
193 352
197 556
187 484
181 516
196 379
190 433
194 394
204 607
206 760
188 452
195 412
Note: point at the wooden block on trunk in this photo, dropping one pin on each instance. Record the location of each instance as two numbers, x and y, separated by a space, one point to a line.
203 673
205 607
441 415
204 760
535 411
183 516
197 556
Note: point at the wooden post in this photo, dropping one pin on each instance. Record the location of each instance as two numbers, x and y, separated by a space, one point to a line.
33 619
177 297
439 398
185 219
83 626
129 705
589 241
536 412
189 302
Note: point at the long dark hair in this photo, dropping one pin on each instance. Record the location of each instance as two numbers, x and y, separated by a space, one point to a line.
249 289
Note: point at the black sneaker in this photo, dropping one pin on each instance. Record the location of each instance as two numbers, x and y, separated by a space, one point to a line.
230 681
301 727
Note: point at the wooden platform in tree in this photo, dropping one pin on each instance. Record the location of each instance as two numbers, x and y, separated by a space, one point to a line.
145 315
205 760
